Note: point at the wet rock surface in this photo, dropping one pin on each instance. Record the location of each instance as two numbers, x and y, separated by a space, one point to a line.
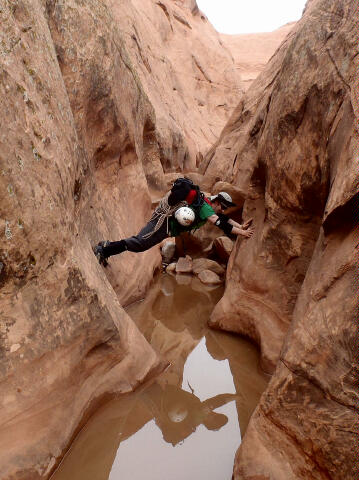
208 271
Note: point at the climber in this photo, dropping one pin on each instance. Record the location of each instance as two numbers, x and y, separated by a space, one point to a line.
183 208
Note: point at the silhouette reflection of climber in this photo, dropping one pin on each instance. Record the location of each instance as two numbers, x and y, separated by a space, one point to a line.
178 413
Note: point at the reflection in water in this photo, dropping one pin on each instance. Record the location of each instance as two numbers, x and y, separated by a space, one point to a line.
195 406
178 413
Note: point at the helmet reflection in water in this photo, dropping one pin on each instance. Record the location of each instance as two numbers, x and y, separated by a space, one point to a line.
177 413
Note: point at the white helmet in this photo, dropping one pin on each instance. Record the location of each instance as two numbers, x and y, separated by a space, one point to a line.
185 216
224 199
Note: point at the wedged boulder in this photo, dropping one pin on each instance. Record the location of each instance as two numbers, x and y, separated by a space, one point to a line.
209 277
196 242
200 264
223 247
168 251
184 265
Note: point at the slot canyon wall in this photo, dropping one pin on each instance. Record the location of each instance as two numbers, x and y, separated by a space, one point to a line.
92 117
292 144
188 75
101 104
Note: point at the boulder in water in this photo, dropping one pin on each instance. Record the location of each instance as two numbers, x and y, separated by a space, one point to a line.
200 264
184 265
209 278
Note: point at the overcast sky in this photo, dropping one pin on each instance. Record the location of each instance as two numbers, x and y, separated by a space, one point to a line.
250 16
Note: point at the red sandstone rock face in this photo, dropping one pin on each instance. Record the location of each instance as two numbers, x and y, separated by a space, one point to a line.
184 265
65 340
200 264
223 247
84 132
293 144
288 130
306 425
251 52
189 78
209 278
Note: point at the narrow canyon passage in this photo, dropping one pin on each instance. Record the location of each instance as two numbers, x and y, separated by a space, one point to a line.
103 105
188 422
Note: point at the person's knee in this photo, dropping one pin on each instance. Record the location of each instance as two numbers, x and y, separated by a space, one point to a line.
136 244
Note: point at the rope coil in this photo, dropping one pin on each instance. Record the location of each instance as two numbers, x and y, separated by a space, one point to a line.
163 212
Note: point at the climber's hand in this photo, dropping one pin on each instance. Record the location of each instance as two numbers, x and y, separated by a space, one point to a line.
247 224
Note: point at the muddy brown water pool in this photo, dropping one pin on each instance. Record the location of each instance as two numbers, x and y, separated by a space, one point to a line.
188 422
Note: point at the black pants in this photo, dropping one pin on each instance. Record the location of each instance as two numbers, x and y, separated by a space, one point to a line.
137 243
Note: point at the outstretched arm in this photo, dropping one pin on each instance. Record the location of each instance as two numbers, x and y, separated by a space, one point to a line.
231 227
220 400
244 226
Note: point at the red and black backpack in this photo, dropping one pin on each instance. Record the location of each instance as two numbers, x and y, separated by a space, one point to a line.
183 188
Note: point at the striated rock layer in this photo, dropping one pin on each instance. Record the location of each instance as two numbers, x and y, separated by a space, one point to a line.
82 132
292 144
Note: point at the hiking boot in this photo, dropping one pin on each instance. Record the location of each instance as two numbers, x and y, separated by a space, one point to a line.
99 252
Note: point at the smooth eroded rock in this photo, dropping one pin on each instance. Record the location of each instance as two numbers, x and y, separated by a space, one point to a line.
223 247
252 51
209 277
171 268
184 265
200 264
293 143
290 170
187 75
168 251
